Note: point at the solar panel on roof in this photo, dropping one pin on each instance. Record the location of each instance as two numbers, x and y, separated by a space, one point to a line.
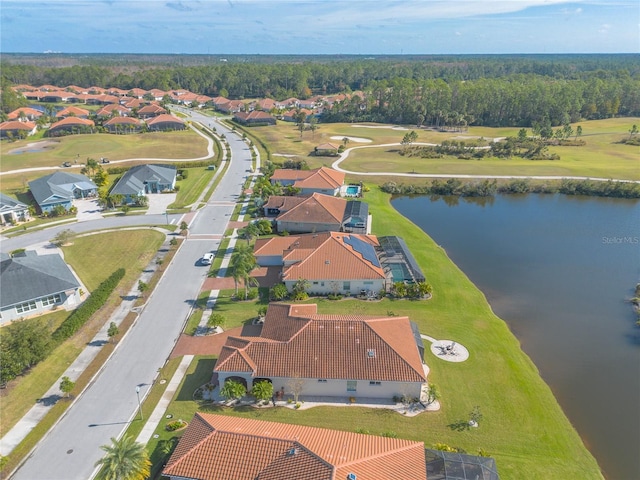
365 249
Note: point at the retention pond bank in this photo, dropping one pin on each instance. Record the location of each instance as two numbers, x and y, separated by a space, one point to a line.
558 270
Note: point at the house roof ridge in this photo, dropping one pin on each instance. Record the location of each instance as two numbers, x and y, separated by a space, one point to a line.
183 458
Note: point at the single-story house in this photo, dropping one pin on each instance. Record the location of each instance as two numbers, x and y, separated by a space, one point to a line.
145 179
150 111
71 125
326 149
12 211
113 109
266 104
122 125
321 180
33 284
17 129
61 188
255 117
231 106
220 447
136 93
335 356
332 262
166 122
57 96
290 116
73 112
102 99
317 213
25 113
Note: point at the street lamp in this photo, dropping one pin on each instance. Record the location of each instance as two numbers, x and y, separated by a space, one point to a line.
139 405
166 215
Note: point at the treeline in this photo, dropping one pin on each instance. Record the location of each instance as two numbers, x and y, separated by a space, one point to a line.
489 188
440 91
23 344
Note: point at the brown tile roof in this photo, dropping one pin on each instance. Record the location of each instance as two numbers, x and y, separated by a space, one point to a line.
132 103
153 108
283 203
218 447
317 208
122 121
137 92
254 115
78 112
266 104
327 146
108 109
309 345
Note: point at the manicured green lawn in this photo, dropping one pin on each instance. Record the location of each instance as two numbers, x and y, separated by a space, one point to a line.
183 144
602 156
192 186
523 427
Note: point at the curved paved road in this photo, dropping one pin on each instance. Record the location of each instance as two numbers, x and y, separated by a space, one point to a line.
336 166
71 448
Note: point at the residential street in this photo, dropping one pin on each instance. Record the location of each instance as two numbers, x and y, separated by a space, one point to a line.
72 447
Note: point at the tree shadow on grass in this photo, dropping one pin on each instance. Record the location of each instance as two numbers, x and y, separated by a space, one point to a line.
460 425
201 375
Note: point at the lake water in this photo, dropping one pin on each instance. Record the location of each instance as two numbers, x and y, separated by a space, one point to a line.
558 270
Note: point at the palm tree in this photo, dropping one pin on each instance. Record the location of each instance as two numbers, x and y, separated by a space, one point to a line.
242 263
125 459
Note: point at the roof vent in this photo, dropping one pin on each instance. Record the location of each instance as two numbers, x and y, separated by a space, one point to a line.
371 353
327 262
292 452
352 476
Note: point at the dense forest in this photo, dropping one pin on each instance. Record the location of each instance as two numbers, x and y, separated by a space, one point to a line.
490 90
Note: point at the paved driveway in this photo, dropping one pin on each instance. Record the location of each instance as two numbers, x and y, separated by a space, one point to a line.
88 209
158 202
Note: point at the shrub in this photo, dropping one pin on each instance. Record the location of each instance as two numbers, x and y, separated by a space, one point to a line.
175 425
91 305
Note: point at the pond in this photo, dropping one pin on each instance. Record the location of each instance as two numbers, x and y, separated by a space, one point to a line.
559 270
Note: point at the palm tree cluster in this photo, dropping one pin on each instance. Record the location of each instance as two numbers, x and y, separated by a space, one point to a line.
125 459
242 263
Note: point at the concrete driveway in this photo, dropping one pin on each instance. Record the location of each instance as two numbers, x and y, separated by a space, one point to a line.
158 202
88 209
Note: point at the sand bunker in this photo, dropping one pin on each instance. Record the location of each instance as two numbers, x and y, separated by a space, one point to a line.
390 127
34 147
352 139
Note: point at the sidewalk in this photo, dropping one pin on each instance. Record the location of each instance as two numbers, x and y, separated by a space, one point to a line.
21 429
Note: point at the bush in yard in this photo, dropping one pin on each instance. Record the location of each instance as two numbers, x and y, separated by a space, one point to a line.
262 390
216 320
91 305
278 292
232 390
175 425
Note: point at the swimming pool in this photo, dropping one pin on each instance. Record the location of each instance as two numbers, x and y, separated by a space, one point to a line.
353 190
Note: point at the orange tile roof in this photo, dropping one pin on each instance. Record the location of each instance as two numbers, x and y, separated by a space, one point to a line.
317 208
322 177
326 346
327 146
122 121
17 125
254 115
152 108
108 109
218 447
78 112
27 112
67 121
164 118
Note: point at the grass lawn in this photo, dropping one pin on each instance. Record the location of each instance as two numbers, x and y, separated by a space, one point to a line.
94 258
179 145
192 186
600 157
523 427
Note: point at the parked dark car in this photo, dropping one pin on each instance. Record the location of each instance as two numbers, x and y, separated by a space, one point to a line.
104 160
66 164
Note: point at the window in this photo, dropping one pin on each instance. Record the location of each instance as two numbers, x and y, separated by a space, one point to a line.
368 283
315 283
352 385
26 307
51 300
322 380
346 286
375 384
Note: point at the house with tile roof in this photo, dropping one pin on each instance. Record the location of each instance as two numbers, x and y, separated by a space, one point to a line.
61 188
17 129
231 106
317 213
326 149
12 211
290 115
72 111
320 180
25 114
220 447
150 111
113 109
33 284
337 356
143 180
71 125
165 122
332 262
254 118
122 125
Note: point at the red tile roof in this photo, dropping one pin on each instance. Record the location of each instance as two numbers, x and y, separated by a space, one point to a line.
108 109
122 121
78 112
320 178
310 345
317 208
69 121
153 108
17 125
255 115
29 112
165 118
218 447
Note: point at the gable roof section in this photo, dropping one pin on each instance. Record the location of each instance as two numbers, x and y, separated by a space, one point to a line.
34 276
17 125
59 185
27 111
317 208
132 182
164 118
8 204
328 346
283 203
78 112
255 115
122 121
322 177
152 108
71 121
218 447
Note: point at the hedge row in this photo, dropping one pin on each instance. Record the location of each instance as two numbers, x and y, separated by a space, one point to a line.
91 305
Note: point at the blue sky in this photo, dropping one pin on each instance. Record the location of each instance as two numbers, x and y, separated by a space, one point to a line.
320 27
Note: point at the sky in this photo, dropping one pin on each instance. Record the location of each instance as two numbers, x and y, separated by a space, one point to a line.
361 27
